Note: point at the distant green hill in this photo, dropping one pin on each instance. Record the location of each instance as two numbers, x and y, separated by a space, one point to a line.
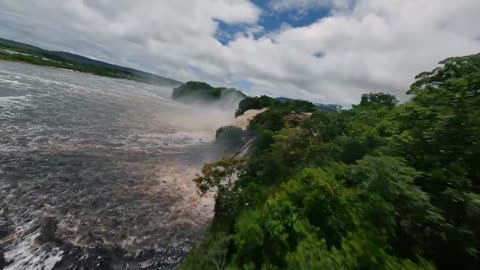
200 92
15 51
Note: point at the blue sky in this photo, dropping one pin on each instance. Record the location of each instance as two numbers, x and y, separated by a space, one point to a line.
272 20
326 51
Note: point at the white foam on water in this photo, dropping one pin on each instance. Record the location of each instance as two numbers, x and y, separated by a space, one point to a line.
175 140
26 254
8 148
14 83
10 103
115 160
12 98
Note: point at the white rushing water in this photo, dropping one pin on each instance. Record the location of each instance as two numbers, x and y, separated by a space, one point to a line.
96 172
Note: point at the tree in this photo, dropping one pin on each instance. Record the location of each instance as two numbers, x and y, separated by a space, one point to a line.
250 103
379 99
219 175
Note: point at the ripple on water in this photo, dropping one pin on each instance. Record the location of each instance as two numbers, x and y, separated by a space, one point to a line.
110 160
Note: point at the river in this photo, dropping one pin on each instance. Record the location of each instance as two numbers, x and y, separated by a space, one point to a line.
95 172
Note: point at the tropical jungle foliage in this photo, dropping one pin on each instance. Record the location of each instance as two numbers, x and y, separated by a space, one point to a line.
256 103
379 186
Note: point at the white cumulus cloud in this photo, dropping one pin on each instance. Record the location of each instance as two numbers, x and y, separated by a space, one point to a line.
362 46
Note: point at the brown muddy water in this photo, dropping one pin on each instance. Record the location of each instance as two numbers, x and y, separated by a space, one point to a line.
95 173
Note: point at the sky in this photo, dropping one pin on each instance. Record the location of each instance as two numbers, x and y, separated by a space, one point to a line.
326 51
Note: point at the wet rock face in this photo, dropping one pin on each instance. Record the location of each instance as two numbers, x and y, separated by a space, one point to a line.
93 175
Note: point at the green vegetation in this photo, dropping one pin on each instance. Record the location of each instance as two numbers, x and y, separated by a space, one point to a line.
256 103
261 102
381 99
192 92
380 186
14 51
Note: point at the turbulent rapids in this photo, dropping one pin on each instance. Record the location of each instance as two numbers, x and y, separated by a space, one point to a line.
95 173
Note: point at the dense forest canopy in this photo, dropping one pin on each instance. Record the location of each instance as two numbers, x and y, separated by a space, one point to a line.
379 186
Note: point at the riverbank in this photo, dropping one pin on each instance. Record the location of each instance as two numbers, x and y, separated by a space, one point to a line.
19 52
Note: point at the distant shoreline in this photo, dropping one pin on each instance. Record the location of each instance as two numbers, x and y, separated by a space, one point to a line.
24 53
76 71
59 68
